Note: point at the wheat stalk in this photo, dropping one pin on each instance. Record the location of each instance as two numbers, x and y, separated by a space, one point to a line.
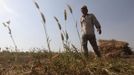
65 15
65 18
6 24
60 28
71 11
44 25
76 25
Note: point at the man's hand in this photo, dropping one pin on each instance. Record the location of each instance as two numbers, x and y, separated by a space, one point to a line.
99 31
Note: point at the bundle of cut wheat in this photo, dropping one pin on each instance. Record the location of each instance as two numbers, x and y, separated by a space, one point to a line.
114 47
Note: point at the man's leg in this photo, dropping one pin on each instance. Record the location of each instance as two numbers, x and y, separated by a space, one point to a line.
84 45
95 46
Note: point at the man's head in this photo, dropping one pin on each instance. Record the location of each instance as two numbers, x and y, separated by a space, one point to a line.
84 10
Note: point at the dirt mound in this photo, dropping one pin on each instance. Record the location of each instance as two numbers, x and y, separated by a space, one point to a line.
114 48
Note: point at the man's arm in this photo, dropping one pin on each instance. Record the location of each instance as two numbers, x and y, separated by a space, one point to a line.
96 23
81 24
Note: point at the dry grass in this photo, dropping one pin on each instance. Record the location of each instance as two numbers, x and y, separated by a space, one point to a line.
68 63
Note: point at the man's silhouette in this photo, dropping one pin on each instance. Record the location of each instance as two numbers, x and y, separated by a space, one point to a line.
88 21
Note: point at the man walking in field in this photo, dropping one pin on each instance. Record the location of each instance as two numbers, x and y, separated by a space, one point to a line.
88 21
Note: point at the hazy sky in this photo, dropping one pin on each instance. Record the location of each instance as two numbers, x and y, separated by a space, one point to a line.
115 16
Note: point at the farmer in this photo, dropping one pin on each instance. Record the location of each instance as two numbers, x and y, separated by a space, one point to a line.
88 21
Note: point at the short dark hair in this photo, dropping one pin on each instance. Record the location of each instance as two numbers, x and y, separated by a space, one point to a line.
84 7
